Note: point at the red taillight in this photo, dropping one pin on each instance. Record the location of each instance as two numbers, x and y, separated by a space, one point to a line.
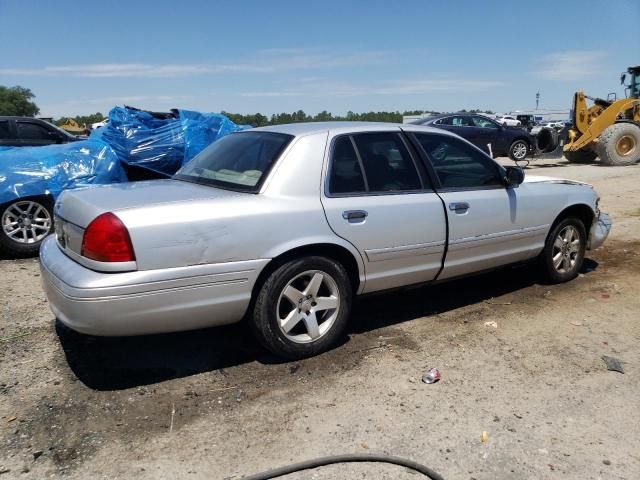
106 239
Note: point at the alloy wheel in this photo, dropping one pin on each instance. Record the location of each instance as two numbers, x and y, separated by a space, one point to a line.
308 306
26 221
566 249
520 150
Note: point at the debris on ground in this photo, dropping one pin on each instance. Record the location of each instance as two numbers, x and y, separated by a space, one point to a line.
613 364
432 376
576 323
484 437
10 338
491 324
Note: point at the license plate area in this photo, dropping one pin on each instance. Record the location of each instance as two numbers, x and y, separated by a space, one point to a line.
69 236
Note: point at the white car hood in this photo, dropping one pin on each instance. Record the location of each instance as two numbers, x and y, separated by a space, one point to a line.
543 179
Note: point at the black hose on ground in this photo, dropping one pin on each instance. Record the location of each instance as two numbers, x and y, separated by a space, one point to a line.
349 458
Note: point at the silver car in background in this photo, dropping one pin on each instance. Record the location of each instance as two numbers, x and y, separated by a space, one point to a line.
284 225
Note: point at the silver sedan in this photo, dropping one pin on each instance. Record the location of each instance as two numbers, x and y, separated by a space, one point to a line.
284 225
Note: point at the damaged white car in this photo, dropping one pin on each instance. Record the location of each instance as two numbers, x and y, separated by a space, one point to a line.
284 225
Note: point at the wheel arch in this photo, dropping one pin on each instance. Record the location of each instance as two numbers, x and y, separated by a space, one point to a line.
580 210
43 197
523 138
334 251
626 120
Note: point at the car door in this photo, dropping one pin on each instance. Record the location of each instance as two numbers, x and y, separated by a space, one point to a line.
489 225
488 133
34 134
7 134
377 197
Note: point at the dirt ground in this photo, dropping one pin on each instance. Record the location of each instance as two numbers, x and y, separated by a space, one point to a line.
212 404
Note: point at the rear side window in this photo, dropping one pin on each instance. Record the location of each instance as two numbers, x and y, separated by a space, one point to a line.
458 164
32 131
387 164
346 171
483 122
379 163
456 121
4 130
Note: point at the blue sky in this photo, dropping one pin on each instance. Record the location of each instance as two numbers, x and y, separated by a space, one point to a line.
275 56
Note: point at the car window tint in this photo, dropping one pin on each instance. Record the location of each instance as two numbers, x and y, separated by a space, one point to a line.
459 121
387 164
457 164
32 131
240 160
483 122
346 173
4 130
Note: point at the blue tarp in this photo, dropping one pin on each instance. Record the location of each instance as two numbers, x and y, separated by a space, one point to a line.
162 145
131 137
27 171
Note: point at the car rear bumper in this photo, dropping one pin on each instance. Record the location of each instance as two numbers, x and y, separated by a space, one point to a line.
599 230
145 302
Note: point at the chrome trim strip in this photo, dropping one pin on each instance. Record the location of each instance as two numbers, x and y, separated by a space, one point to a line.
389 253
493 238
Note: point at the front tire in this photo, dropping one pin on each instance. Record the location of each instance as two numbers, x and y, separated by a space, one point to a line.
518 150
303 307
563 254
619 145
25 222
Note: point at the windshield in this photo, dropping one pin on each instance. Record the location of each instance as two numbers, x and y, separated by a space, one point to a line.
239 161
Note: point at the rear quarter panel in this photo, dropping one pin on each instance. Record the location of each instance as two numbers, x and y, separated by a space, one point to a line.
286 214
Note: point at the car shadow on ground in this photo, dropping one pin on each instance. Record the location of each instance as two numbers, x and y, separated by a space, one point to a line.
115 363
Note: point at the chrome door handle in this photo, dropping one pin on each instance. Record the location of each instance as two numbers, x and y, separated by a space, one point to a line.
459 207
354 215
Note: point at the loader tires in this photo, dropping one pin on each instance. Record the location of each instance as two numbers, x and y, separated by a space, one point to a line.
619 144
580 156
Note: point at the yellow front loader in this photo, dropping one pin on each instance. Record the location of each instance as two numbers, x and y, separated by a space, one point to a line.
608 129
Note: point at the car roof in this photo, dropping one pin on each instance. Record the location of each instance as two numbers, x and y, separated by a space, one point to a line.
18 117
308 128
431 118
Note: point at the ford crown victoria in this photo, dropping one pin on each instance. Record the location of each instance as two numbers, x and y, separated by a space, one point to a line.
284 225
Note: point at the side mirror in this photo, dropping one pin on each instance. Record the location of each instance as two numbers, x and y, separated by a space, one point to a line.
514 176
623 78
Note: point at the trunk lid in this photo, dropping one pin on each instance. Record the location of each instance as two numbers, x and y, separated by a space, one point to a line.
79 207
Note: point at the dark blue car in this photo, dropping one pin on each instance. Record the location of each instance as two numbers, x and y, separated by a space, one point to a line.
515 142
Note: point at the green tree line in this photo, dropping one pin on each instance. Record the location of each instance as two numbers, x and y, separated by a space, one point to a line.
260 120
18 101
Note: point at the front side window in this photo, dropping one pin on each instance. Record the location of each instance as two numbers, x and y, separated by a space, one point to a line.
239 161
483 122
32 131
459 165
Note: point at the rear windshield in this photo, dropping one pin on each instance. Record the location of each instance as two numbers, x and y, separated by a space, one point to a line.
239 161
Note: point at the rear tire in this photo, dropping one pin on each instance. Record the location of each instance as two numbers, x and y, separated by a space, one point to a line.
580 156
619 145
303 307
518 150
564 249
25 223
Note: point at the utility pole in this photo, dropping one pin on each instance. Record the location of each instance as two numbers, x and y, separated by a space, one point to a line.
537 99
